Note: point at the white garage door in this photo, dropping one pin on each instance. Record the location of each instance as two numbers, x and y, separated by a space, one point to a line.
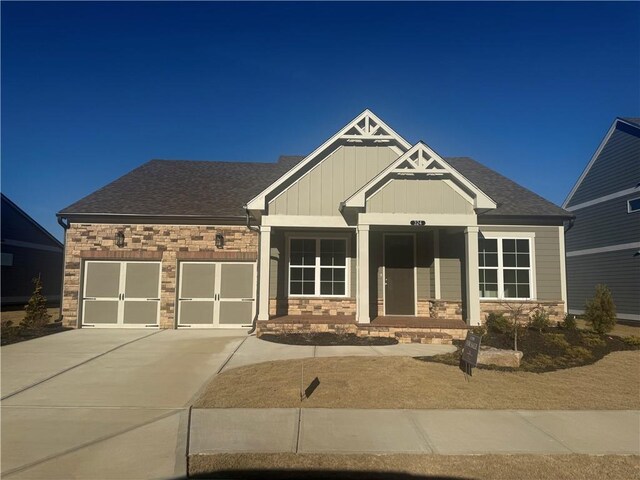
216 294
121 294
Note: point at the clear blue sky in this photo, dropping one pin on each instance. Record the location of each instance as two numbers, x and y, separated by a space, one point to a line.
92 90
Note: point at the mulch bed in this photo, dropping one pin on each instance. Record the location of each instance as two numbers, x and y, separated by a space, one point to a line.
325 339
547 351
15 334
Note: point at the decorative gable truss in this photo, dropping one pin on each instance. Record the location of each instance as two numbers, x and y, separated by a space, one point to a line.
421 162
365 129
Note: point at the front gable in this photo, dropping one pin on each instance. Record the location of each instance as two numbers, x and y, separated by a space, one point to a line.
367 135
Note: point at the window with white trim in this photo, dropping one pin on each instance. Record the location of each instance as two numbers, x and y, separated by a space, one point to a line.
505 268
318 267
633 205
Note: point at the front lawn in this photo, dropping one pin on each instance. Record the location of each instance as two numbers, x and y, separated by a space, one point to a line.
402 382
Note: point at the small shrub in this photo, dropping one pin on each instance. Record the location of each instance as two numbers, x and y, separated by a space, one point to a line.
592 341
36 315
557 340
498 323
569 322
540 362
539 320
600 310
479 330
579 353
633 340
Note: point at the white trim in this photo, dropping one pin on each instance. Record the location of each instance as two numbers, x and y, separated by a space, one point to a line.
500 236
305 221
610 248
264 272
317 267
612 128
623 316
431 219
629 205
472 277
605 198
436 263
258 202
563 269
384 273
31 245
358 199
362 275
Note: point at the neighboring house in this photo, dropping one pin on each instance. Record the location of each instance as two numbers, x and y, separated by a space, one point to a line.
603 242
367 228
28 250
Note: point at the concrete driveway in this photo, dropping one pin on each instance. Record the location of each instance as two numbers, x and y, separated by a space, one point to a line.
105 403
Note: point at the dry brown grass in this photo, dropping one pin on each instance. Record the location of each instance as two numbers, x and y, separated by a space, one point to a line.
497 467
17 315
620 330
401 382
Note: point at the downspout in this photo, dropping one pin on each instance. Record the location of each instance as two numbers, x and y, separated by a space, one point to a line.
570 225
65 227
254 323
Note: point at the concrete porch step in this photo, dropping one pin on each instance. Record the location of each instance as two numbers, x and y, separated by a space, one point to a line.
434 338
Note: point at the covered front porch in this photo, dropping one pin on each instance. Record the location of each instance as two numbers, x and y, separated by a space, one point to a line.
382 276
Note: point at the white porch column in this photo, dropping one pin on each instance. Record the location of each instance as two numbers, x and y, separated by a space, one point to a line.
362 294
264 266
473 277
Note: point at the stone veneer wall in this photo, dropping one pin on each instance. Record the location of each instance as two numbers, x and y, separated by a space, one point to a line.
312 306
555 309
166 243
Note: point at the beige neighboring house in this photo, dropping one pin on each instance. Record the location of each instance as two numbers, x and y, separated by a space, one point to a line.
367 234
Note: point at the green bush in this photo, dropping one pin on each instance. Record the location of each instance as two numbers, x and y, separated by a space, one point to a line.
498 323
539 320
592 340
480 330
557 340
579 353
633 340
600 311
569 322
36 315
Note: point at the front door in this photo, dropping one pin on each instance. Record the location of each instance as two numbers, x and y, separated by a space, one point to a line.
399 270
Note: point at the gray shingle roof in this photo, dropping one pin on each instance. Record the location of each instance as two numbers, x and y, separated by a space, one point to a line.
184 188
512 199
631 120
220 189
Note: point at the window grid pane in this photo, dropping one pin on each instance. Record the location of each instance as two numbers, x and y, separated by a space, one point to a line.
309 255
513 271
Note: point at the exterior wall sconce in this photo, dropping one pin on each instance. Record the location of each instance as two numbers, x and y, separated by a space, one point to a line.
219 240
120 239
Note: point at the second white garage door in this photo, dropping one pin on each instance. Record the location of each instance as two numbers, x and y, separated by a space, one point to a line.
216 294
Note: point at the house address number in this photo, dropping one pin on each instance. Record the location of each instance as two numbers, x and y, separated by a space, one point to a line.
418 223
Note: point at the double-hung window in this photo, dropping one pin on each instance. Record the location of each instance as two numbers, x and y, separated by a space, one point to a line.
505 268
318 267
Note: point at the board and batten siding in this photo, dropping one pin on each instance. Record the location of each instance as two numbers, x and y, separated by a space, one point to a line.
452 275
618 270
604 224
333 180
616 168
547 259
418 196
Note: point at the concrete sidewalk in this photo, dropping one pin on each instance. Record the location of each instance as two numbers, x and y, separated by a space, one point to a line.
447 432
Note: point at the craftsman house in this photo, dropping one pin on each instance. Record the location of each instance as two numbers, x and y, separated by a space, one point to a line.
367 230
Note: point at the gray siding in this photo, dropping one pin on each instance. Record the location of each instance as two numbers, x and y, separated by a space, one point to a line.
375 272
604 224
616 168
620 271
418 196
452 253
547 261
424 259
333 180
